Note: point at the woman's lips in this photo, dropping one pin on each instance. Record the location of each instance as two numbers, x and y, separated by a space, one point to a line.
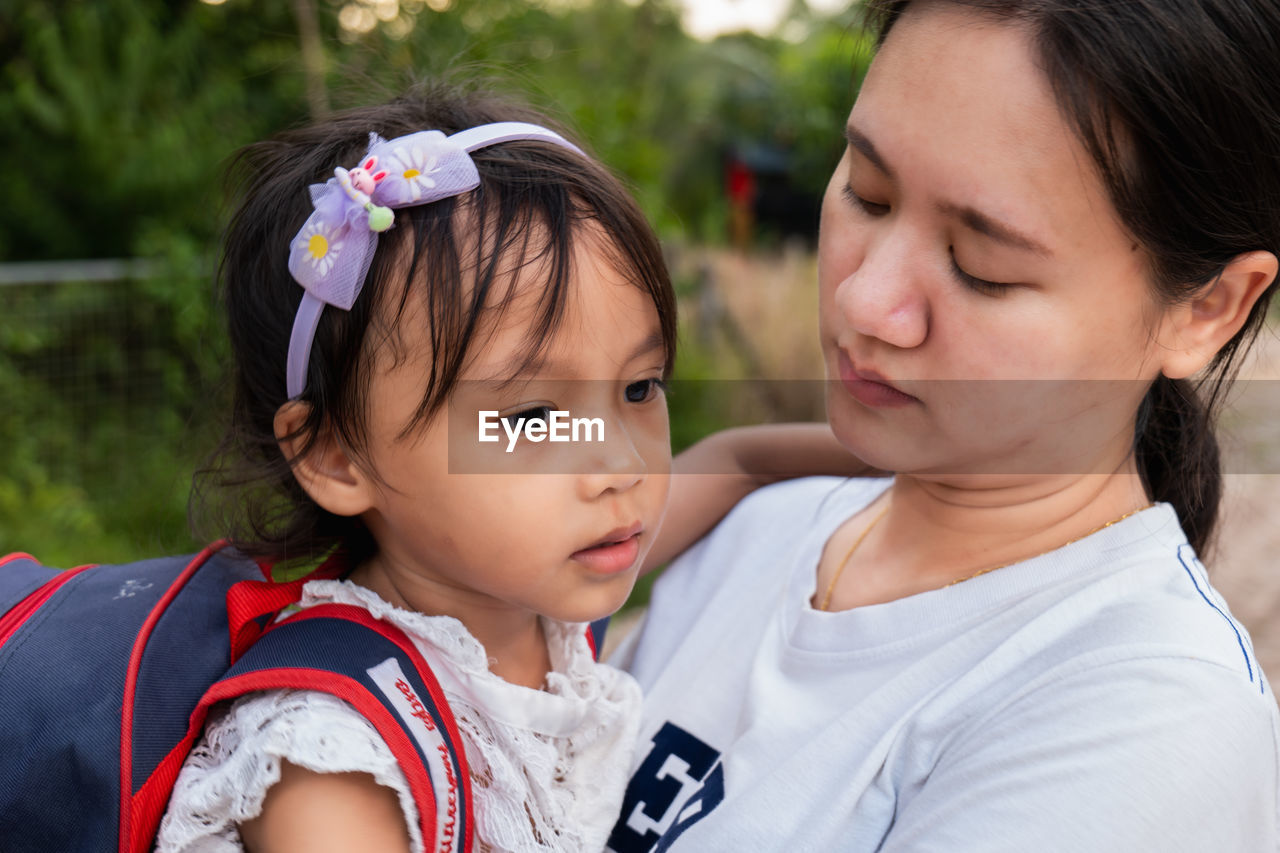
869 388
617 552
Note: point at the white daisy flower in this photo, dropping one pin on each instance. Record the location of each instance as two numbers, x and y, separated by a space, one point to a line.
413 164
319 246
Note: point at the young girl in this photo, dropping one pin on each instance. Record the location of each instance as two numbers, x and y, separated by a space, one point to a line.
394 387
464 264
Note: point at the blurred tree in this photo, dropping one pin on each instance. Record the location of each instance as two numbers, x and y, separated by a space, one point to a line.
115 115
115 118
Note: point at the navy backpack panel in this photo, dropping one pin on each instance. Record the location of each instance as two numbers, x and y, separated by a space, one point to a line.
107 672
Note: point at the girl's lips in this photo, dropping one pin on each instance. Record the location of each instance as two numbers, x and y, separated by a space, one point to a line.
612 557
869 388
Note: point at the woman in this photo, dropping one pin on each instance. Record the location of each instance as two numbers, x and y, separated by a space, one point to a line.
1049 214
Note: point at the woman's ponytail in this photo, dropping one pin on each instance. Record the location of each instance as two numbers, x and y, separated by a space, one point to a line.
1178 457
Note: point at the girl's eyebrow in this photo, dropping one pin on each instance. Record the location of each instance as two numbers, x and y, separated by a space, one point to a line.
654 342
521 368
973 219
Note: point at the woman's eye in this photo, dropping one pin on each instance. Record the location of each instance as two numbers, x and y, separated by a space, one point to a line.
981 285
534 413
644 390
870 208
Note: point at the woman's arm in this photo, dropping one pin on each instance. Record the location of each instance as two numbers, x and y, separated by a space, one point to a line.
710 477
308 812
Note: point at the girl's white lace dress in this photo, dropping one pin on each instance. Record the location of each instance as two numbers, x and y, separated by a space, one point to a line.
548 768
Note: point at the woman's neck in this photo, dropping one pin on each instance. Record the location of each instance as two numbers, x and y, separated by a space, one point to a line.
937 531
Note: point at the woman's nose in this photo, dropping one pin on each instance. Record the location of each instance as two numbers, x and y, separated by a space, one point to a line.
882 297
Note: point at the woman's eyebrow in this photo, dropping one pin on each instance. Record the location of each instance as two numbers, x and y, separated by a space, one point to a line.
972 218
859 141
980 222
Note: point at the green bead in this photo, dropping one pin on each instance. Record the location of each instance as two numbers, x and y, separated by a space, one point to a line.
379 217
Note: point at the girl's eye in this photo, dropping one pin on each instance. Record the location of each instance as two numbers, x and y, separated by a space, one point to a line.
981 285
534 413
644 390
870 208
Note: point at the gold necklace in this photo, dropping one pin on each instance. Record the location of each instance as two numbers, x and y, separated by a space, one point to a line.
826 598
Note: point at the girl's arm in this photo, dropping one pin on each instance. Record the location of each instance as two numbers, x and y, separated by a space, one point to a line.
308 812
710 477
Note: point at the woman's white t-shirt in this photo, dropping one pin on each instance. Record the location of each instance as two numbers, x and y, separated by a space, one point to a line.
547 766
1097 698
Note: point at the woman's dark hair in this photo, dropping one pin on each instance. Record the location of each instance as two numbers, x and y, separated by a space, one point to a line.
1178 104
533 201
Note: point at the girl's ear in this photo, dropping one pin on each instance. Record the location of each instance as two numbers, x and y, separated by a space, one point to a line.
1194 331
326 471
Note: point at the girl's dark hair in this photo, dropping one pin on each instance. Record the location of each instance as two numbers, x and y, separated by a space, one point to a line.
533 201
1178 104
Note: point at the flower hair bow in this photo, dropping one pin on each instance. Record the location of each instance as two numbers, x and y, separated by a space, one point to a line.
330 255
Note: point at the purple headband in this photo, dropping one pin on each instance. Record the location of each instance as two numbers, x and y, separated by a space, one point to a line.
330 255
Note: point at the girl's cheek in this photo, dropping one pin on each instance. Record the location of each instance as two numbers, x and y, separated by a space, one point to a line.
652 431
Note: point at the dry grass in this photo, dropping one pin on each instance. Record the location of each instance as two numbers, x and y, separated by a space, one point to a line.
773 299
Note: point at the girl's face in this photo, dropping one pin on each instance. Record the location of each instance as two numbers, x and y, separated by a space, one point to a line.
982 308
553 528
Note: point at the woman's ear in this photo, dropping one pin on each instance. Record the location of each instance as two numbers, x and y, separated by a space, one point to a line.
1194 331
326 470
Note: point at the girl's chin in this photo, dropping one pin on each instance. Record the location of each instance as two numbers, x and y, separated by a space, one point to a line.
596 605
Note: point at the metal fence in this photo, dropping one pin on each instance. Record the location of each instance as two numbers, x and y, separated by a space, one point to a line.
93 464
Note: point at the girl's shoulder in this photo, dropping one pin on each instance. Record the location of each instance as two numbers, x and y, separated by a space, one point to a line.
556 757
225 779
549 753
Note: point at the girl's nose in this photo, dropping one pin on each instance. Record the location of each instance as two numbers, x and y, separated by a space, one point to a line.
882 298
612 465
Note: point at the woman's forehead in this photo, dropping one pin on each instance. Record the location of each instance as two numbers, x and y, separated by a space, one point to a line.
960 112
956 88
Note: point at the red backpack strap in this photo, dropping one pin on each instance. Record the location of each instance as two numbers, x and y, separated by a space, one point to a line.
251 605
342 650
29 586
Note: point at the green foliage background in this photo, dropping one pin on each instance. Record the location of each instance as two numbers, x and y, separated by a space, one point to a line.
115 119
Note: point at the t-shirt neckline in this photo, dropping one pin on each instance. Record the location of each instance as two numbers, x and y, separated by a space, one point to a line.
914 617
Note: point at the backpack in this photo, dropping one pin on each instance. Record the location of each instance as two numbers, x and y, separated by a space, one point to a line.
108 672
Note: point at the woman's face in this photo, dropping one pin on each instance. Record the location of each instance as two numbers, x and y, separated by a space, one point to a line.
970 259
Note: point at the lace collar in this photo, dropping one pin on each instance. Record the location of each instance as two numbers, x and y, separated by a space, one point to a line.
575 694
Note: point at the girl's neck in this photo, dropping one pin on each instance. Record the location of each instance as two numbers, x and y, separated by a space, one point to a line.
514 640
